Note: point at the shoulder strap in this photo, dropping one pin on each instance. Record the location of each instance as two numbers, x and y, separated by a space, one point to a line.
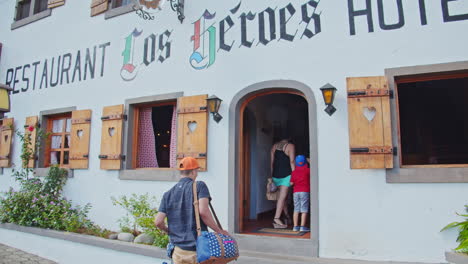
197 209
284 147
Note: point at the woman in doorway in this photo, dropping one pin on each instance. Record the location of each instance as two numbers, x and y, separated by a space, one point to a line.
282 164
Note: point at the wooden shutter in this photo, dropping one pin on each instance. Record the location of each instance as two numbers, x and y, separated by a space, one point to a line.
6 133
55 3
31 121
192 120
111 138
99 7
80 134
370 137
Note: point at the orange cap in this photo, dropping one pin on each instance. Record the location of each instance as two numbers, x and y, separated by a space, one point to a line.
188 163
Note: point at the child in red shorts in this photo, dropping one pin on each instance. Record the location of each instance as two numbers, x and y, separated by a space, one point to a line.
300 180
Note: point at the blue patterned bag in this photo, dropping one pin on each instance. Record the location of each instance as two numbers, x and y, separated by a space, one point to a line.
216 248
170 249
213 247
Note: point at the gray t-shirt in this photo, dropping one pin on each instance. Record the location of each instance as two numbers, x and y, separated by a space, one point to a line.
177 204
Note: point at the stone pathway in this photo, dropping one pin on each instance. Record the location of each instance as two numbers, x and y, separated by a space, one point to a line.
9 255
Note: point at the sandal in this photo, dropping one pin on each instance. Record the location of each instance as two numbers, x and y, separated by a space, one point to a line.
278 224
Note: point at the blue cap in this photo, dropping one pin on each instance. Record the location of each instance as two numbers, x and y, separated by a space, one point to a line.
300 160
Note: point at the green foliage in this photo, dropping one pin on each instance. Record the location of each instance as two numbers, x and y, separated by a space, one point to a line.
27 153
140 217
96 230
40 203
462 238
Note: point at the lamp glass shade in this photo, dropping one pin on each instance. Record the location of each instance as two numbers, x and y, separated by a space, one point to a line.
4 100
328 92
213 104
328 96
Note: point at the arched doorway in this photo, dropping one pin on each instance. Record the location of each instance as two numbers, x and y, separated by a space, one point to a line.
264 117
242 121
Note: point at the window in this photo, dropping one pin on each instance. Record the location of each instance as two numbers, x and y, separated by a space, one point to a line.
111 8
28 11
119 3
186 119
155 138
433 119
57 150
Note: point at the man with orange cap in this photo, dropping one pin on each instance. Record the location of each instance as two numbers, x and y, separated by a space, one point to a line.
177 206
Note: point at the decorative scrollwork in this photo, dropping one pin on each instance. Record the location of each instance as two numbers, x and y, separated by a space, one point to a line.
178 6
142 13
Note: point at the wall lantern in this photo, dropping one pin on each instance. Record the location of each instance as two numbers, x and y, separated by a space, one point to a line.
178 6
328 92
4 99
213 106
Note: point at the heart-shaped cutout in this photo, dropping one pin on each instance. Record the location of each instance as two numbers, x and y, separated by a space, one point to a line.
79 133
369 113
6 138
111 131
192 125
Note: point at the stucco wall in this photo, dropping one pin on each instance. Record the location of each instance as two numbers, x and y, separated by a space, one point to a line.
361 216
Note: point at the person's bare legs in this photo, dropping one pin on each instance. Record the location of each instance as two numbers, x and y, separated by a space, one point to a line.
283 193
296 218
303 219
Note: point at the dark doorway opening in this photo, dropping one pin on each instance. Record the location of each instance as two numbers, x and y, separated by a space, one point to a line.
434 120
264 117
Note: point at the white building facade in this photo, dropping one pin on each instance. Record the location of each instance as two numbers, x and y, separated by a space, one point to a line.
387 206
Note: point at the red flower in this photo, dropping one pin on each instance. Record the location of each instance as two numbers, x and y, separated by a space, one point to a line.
31 128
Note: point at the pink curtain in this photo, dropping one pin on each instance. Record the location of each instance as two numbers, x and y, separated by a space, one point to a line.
146 141
173 148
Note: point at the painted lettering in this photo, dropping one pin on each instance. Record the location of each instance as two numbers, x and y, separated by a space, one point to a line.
203 56
77 67
401 17
35 71
164 45
244 17
15 80
223 31
422 12
128 71
52 82
25 79
103 56
90 65
446 12
9 77
65 68
44 75
364 12
151 38
272 25
284 21
307 19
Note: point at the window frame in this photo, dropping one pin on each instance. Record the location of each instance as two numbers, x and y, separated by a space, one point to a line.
117 11
421 173
421 78
48 149
128 171
31 17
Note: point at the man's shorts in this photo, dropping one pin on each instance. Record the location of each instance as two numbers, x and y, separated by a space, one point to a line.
181 256
301 202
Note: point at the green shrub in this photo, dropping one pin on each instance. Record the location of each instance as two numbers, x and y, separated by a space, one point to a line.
462 238
40 203
140 217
